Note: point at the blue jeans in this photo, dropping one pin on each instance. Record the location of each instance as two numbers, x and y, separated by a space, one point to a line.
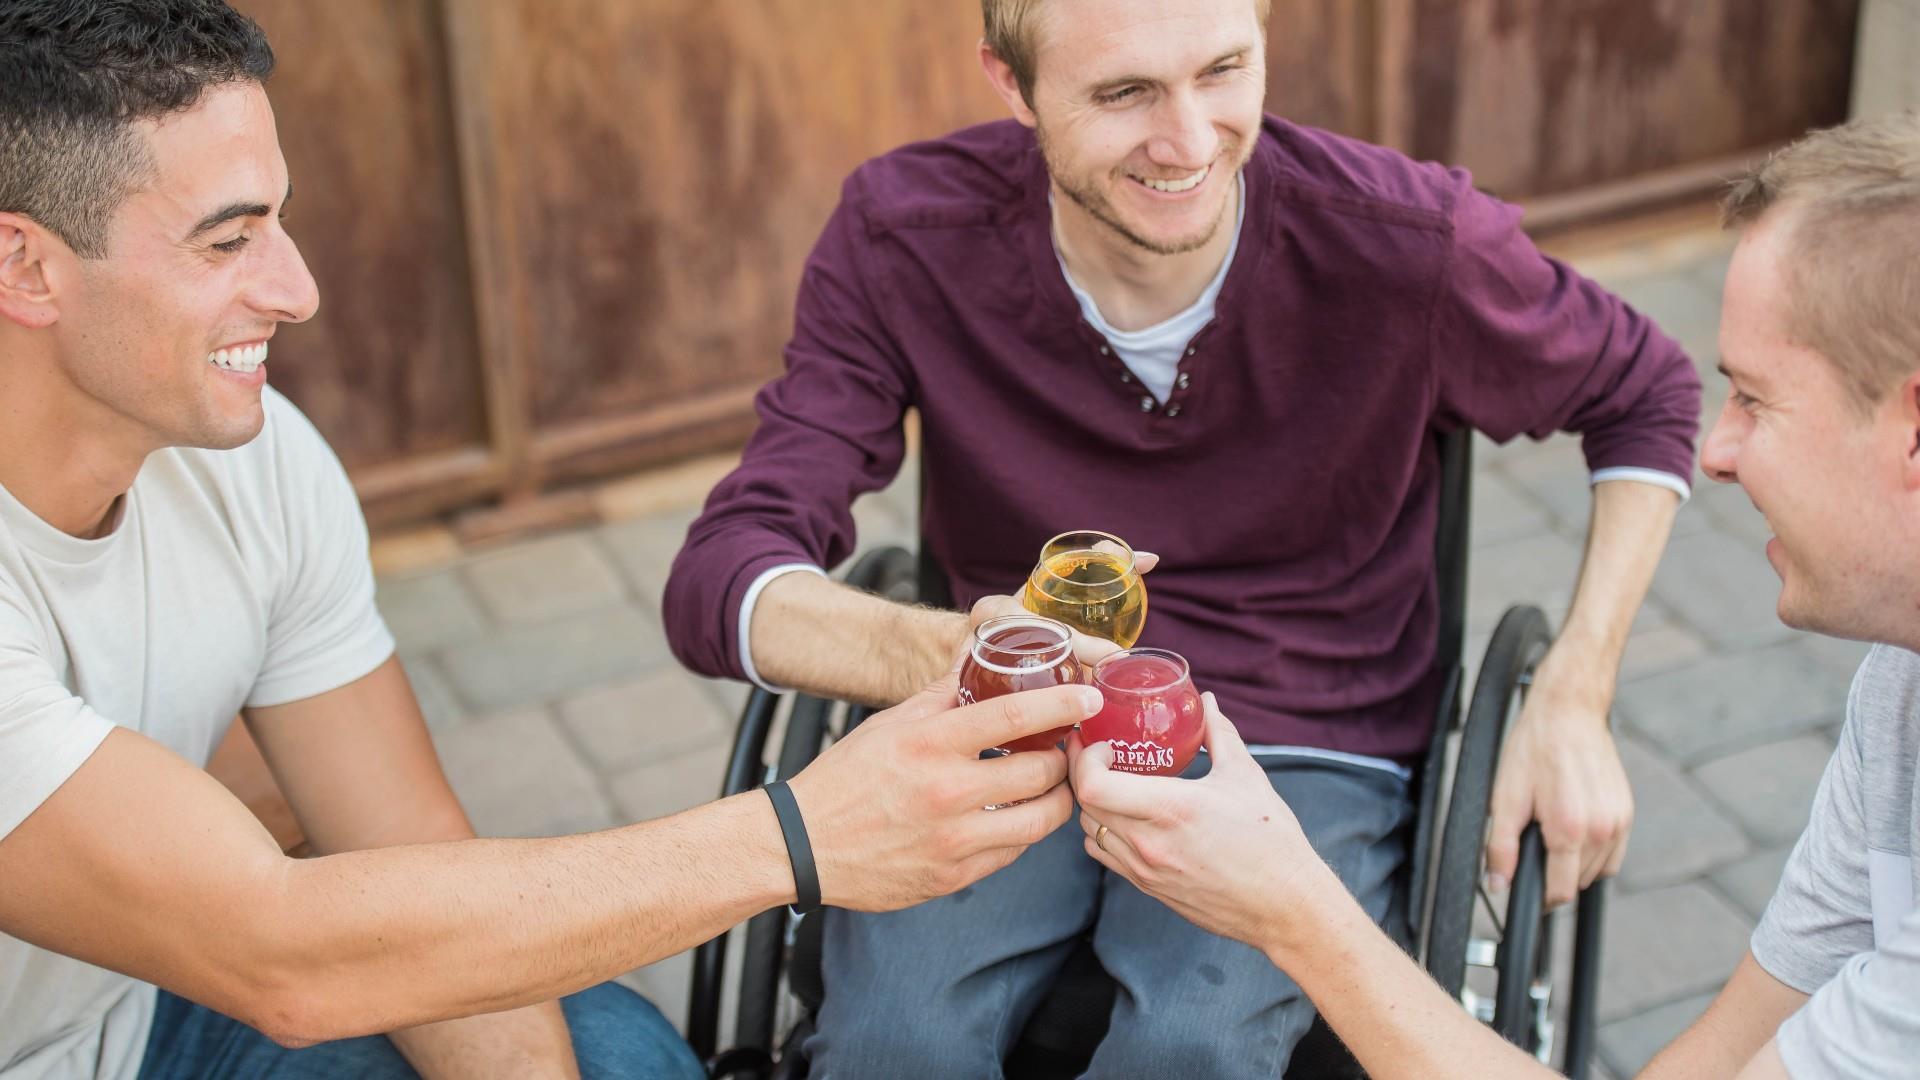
944 989
616 1033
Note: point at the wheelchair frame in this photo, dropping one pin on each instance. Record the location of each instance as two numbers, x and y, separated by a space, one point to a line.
1440 880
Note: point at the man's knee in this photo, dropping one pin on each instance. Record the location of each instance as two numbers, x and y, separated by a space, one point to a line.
618 1033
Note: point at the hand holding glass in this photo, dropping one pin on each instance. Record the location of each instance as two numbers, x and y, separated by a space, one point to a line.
1088 581
1020 652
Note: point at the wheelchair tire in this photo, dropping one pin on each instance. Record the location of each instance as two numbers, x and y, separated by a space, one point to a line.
1517 645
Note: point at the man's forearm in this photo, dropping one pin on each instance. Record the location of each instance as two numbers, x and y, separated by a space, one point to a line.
393 938
826 638
1394 1018
1625 539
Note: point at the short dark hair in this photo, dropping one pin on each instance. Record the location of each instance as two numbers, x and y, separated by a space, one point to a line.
79 73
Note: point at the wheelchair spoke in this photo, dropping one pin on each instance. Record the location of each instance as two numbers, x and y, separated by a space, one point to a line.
1493 914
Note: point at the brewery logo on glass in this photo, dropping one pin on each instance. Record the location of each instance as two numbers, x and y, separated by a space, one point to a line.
1147 755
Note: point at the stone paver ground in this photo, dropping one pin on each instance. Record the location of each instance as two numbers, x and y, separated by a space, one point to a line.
557 707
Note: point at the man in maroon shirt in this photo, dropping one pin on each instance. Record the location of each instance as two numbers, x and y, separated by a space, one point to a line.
1142 306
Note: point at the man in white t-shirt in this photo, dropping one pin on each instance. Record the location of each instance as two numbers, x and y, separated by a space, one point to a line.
1820 342
178 545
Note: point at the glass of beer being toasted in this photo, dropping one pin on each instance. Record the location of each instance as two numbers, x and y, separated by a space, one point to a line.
1088 581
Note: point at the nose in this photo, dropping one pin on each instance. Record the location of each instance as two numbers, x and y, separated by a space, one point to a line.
1186 137
1720 454
286 290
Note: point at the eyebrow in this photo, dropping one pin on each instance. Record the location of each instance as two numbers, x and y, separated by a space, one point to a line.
1106 85
237 210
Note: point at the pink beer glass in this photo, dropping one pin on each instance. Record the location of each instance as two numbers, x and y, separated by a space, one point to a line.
1152 717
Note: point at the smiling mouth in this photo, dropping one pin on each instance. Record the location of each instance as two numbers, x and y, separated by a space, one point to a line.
1175 185
240 358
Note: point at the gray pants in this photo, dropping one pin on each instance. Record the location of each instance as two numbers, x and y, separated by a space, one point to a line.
944 989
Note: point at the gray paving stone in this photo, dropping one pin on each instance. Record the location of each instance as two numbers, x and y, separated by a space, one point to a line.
1686 308
1723 589
1536 569
540 580
657 716
644 549
427 612
1729 508
1541 570
1726 703
538 662
1770 788
1840 657
1555 474
1751 881
878 522
668 787
1663 648
1627 1045
438 703
517 776
1666 944
1678 833
1502 511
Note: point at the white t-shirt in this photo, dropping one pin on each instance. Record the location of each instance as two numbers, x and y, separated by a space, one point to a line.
234 578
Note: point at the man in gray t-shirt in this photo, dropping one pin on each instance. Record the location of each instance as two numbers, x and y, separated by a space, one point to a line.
1841 928
1820 343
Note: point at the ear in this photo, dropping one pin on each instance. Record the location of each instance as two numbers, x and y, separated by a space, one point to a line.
1906 418
1000 77
26 289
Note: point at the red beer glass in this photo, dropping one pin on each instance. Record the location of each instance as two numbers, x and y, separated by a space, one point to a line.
1152 717
1020 652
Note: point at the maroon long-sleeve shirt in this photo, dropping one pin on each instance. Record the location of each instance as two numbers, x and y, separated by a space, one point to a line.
1289 482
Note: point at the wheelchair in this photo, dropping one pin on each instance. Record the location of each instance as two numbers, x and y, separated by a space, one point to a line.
1502 967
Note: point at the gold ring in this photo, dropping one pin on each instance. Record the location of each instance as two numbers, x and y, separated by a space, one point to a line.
1100 838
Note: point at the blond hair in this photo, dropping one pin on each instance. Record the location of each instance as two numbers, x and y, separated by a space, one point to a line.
1009 32
1849 198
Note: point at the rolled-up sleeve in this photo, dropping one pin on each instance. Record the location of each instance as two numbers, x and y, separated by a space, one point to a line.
830 430
1522 344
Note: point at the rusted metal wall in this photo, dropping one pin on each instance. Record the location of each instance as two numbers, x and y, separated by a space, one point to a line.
560 238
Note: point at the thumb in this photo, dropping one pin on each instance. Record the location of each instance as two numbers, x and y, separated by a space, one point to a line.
1145 561
1223 740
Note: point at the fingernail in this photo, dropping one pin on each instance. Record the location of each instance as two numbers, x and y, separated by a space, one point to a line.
1496 882
1090 700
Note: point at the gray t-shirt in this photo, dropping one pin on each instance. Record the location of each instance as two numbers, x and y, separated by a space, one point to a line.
1842 925
234 579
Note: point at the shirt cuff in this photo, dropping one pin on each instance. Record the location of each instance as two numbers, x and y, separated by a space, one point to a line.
746 619
1656 477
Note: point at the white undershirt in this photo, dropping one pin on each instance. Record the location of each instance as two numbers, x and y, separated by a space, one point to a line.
1153 354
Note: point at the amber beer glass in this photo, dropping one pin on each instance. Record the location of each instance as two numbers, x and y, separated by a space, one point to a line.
1020 652
1088 581
1151 715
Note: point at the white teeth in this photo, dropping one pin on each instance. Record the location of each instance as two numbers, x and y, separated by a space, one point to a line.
243 359
1174 187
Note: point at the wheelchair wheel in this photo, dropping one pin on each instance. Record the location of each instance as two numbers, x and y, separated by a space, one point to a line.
1522 947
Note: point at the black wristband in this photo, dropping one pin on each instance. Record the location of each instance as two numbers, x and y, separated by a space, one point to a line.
806 877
